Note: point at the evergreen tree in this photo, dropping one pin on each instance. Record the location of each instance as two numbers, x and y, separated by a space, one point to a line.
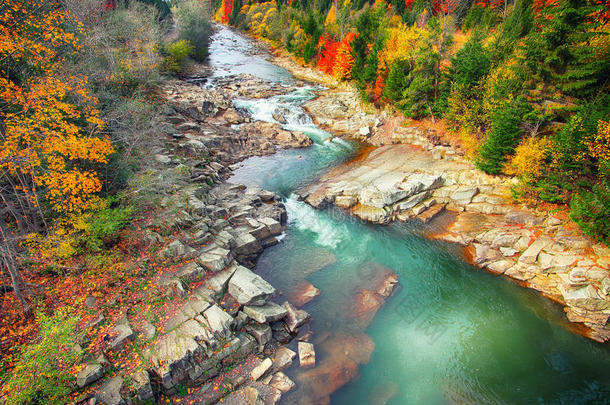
503 138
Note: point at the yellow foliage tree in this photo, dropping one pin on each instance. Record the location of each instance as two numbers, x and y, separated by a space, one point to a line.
599 143
401 42
528 161
331 17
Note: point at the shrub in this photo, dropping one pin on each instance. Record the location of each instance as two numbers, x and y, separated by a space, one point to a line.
101 228
42 373
591 210
194 26
177 59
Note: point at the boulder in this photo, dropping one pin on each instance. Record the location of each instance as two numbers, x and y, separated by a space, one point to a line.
275 228
246 244
283 358
176 249
307 354
464 195
249 288
270 312
140 382
260 370
110 392
260 332
584 297
343 354
190 272
124 334
216 259
280 381
218 320
90 374
295 317
219 282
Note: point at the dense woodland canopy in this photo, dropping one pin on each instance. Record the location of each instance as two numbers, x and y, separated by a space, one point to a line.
522 84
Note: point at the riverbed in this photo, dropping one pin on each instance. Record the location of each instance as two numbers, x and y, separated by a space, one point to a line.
448 334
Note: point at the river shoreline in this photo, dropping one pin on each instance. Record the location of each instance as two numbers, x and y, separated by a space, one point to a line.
535 249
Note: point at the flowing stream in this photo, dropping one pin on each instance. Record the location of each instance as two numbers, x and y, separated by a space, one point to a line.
450 333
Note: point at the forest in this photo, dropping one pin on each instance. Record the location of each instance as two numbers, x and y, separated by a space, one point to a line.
521 85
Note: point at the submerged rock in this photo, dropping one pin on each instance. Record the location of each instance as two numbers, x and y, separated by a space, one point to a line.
342 355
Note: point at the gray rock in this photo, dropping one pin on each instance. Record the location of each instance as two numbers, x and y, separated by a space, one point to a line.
270 312
249 288
110 392
412 201
194 330
219 321
464 195
89 374
262 368
295 317
176 249
218 283
275 228
190 272
140 382
283 358
125 334
163 159
531 253
172 351
246 244
260 332
280 381
216 259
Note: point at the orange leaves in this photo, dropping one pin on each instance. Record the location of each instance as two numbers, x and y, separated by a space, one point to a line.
51 122
327 54
335 58
344 60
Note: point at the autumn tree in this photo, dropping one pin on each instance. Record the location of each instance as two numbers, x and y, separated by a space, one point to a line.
50 142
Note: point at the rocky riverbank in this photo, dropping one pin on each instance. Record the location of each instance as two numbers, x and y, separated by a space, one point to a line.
225 325
414 175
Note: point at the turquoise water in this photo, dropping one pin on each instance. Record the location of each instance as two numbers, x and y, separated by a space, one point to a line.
450 333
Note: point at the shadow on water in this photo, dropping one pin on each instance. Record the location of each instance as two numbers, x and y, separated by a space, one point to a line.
449 334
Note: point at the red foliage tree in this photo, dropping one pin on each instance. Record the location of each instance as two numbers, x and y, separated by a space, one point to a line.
227 10
327 54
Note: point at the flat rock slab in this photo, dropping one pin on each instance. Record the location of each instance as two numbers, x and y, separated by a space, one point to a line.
260 370
90 374
249 288
270 312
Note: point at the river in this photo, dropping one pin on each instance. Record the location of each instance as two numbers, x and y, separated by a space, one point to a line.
449 333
